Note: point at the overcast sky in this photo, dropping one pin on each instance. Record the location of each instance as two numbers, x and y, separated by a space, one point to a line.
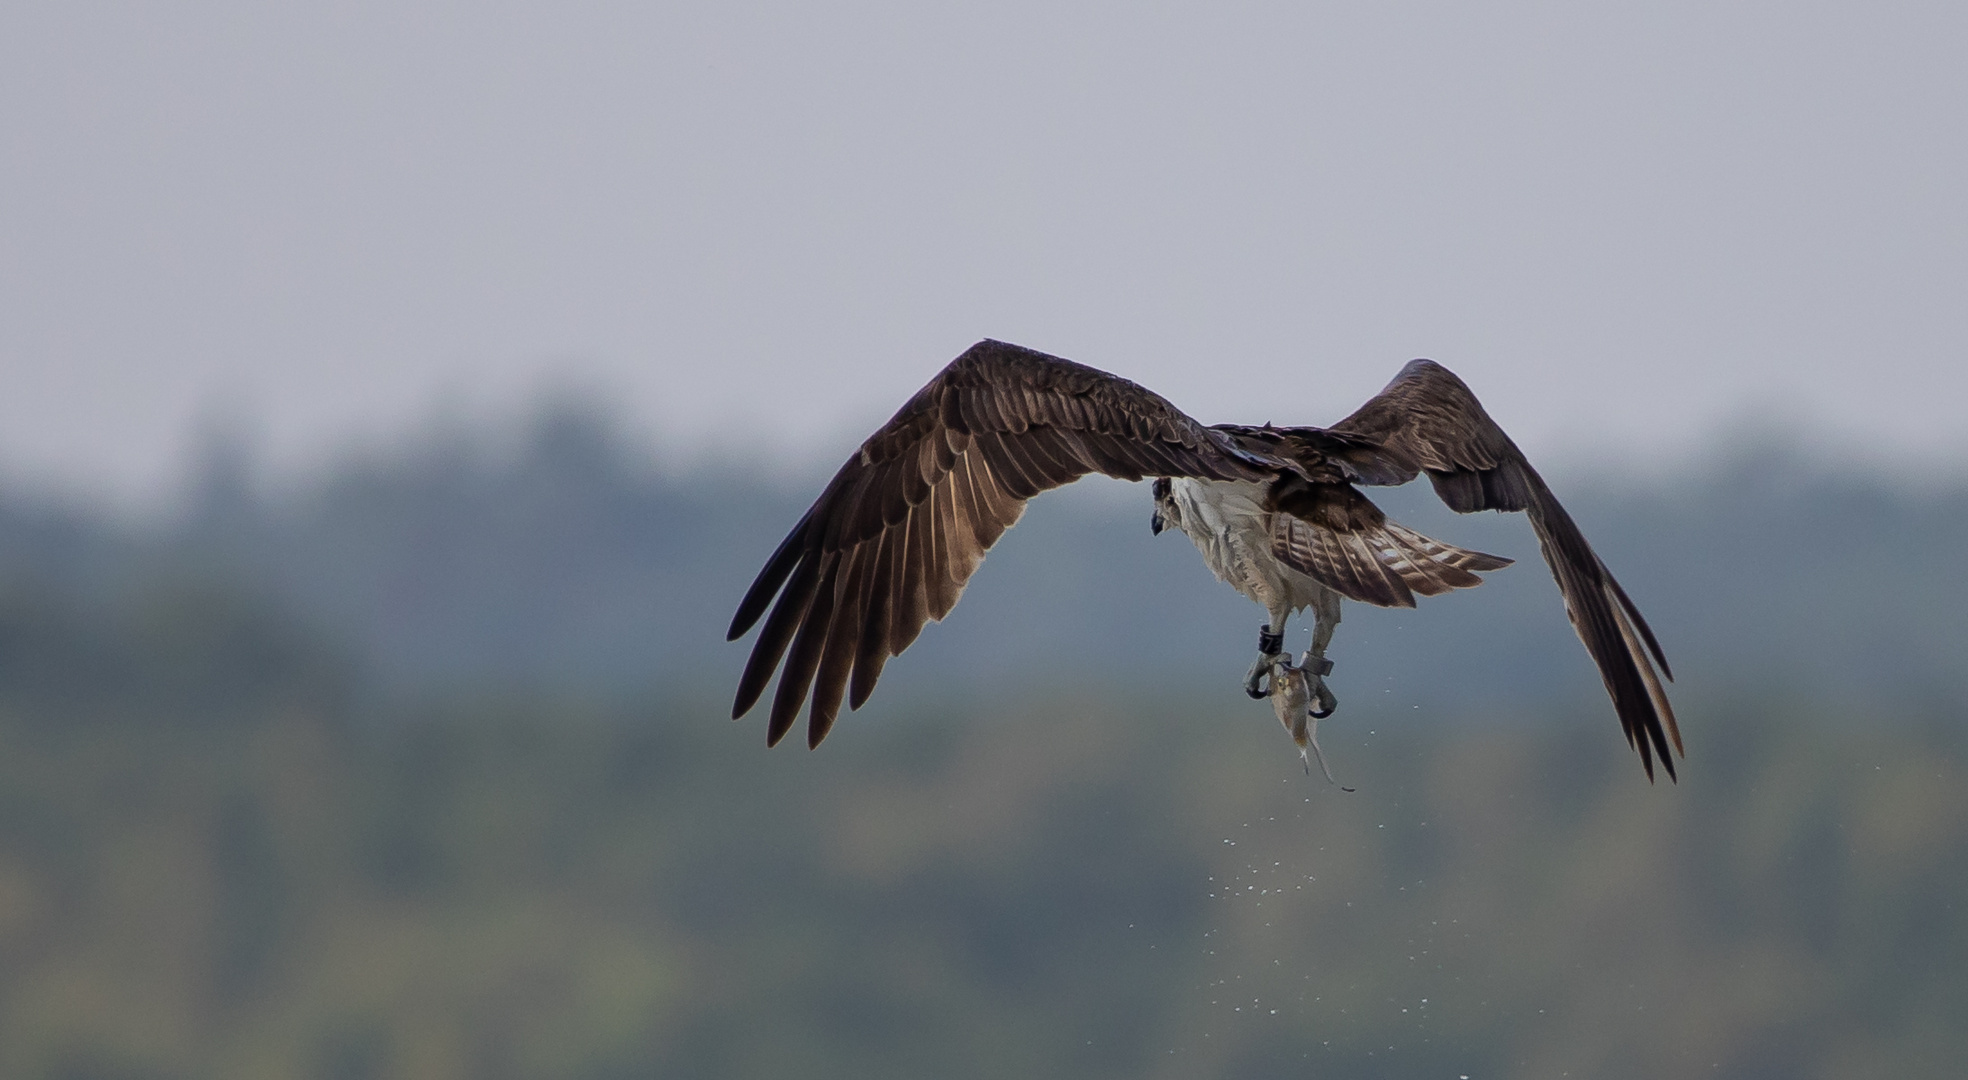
1625 228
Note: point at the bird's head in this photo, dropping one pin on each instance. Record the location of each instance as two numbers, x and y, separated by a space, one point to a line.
1166 512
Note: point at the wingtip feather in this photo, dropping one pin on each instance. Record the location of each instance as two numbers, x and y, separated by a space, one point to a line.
1660 725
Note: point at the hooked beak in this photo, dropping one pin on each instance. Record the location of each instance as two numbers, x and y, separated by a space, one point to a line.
1155 524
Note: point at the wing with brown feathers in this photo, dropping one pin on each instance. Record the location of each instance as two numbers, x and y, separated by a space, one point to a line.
1427 420
893 539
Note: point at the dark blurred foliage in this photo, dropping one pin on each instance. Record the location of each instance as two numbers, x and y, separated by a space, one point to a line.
561 559
177 654
421 770
1065 887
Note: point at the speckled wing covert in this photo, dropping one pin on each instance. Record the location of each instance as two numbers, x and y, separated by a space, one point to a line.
1427 420
893 539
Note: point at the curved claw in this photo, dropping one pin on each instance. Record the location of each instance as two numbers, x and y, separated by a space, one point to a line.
1255 684
1326 703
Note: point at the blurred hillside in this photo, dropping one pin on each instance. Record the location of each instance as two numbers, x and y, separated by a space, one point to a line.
1128 887
420 769
561 560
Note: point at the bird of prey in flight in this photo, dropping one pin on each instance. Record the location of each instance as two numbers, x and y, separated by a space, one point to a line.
1275 511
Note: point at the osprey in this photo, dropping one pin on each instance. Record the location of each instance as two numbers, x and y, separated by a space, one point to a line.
1275 512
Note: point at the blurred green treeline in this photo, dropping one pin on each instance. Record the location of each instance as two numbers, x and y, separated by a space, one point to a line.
236 841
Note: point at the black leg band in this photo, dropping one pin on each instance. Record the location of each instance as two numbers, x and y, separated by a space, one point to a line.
1268 643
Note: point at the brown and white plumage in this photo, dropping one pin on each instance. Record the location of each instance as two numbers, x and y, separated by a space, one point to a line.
895 536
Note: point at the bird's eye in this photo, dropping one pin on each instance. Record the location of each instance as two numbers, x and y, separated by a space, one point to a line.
1162 487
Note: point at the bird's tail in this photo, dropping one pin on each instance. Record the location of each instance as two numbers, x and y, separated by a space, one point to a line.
1385 564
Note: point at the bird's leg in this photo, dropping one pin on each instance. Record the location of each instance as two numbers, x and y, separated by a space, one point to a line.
1270 642
1325 619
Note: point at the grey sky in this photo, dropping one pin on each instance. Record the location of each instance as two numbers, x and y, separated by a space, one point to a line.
1622 226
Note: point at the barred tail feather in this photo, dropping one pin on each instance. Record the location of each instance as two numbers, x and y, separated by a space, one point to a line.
1386 566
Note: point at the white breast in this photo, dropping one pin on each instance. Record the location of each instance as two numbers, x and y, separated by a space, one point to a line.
1230 527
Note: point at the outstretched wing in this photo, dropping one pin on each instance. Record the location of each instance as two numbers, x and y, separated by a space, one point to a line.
893 539
1427 420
